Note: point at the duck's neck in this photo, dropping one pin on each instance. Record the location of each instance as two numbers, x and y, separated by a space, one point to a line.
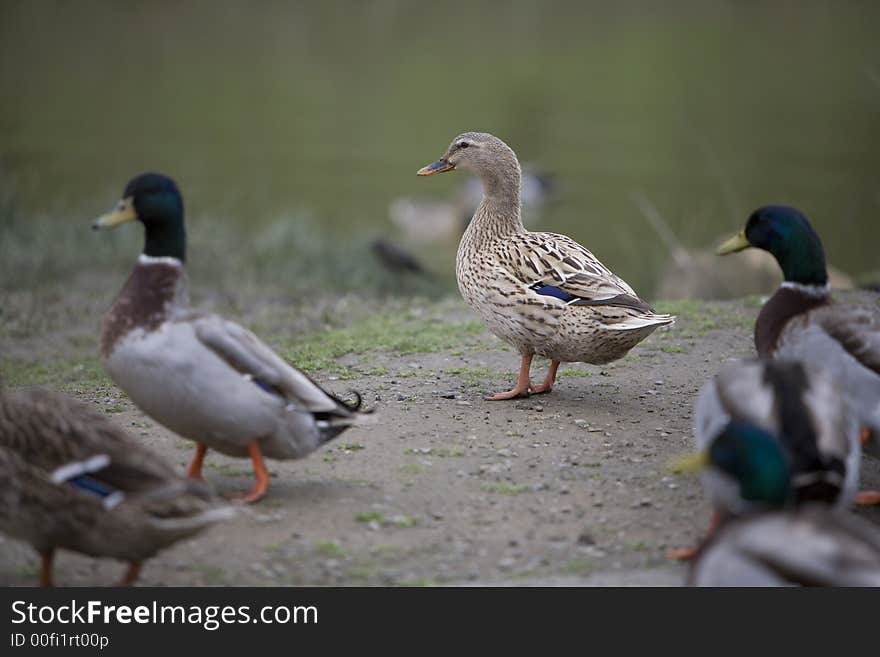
498 214
155 290
789 301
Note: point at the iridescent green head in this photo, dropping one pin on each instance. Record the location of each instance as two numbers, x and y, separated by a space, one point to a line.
755 459
155 201
786 233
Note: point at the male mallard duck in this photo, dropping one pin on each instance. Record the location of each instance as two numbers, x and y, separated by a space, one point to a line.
808 546
71 479
802 322
543 293
203 377
813 448
807 417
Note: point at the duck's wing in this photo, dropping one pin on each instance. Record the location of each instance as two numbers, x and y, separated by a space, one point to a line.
811 547
50 430
744 394
80 451
843 340
856 329
249 356
804 408
553 265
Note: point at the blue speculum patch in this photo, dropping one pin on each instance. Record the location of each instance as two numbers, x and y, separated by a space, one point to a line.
91 485
553 291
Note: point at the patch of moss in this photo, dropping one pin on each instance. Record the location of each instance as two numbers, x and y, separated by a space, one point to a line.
576 567
61 375
503 488
369 516
330 549
397 334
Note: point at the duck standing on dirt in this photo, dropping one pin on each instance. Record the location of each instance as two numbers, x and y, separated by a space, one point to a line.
801 321
203 377
543 293
71 479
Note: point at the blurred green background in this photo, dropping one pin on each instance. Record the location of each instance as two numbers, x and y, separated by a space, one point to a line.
291 126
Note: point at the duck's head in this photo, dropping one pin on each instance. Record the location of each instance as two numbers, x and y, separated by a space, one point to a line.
155 201
786 233
479 153
752 457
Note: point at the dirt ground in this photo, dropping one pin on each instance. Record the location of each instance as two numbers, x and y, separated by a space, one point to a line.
445 488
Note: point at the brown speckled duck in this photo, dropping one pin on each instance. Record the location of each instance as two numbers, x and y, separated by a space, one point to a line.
543 293
71 479
203 377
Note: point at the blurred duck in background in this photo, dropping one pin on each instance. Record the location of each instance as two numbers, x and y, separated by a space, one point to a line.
425 220
71 479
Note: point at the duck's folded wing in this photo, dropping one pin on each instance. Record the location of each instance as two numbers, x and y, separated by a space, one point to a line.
815 548
856 329
555 265
249 356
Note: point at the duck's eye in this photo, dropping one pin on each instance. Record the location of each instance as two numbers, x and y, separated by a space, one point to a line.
463 144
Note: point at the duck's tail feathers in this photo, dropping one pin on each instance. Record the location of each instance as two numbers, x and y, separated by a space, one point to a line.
190 524
636 322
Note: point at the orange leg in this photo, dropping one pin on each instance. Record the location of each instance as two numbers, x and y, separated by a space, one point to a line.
549 380
131 575
867 498
685 554
195 467
46 560
865 436
522 383
261 474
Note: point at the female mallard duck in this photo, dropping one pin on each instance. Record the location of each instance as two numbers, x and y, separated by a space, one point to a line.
543 293
71 479
808 546
203 377
815 439
802 322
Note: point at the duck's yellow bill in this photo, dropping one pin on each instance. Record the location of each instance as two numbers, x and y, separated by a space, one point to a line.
121 214
439 166
736 243
690 463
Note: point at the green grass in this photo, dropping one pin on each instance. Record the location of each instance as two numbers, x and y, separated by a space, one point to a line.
330 549
350 447
369 516
397 334
576 567
61 375
503 488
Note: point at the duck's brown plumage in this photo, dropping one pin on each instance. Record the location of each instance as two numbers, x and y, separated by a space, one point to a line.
40 432
150 294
